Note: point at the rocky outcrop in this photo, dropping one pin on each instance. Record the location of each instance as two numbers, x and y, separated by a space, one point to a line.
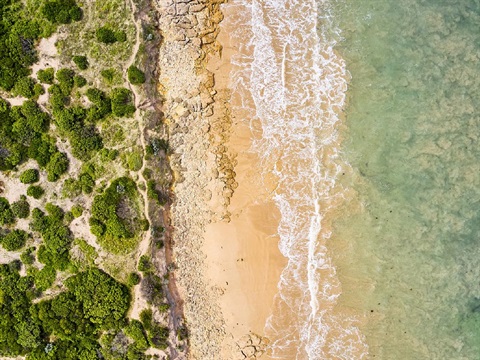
198 124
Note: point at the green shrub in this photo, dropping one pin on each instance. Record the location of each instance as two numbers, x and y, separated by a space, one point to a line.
6 214
81 62
116 219
61 11
27 256
136 332
133 279
135 75
146 317
65 79
134 161
57 166
46 76
38 90
77 211
25 87
14 240
108 75
144 264
79 81
45 278
68 217
56 212
21 209
105 35
29 176
35 191
121 36
122 102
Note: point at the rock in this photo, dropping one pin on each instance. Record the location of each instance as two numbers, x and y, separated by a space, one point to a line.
197 8
181 9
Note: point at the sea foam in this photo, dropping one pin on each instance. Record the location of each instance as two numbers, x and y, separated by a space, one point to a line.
291 85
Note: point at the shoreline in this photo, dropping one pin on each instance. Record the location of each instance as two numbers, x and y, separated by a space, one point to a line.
225 249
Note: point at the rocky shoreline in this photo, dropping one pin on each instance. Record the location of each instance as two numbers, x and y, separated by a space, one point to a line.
196 115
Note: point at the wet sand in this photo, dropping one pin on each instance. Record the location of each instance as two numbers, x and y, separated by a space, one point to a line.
244 262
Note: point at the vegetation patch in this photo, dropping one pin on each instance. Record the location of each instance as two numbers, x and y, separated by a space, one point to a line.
116 220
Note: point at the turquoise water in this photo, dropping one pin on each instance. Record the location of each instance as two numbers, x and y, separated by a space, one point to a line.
408 250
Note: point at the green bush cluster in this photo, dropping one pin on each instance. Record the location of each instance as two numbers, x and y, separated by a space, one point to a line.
29 176
157 334
35 191
21 208
27 256
46 76
122 102
24 87
115 219
81 62
64 327
6 214
57 238
62 11
108 36
24 134
14 240
135 75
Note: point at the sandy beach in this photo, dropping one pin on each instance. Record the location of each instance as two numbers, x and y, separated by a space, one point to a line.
226 250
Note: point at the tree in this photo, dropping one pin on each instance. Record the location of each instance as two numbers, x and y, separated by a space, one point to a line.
57 166
62 11
81 62
133 279
122 102
21 208
14 240
46 76
35 191
104 300
135 75
29 176
105 35
6 213
24 87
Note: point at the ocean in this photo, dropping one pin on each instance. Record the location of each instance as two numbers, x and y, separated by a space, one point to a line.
365 116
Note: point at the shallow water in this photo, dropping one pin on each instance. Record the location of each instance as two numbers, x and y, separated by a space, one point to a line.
379 203
411 250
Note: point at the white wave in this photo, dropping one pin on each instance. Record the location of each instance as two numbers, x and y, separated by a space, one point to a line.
291 82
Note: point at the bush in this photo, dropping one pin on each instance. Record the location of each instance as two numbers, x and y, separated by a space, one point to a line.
29 176
133 279
14 240
135 75
81 62
65 79
108 75
77 211
105 35
115 219
35 191
46 76
6 213
61 11
27 256
79 81
144 264
24 87
121 36
134 161
136 332
38 90
45 278
122 102
57 166
21 209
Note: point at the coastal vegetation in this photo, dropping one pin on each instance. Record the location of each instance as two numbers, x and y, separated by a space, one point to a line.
73 222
